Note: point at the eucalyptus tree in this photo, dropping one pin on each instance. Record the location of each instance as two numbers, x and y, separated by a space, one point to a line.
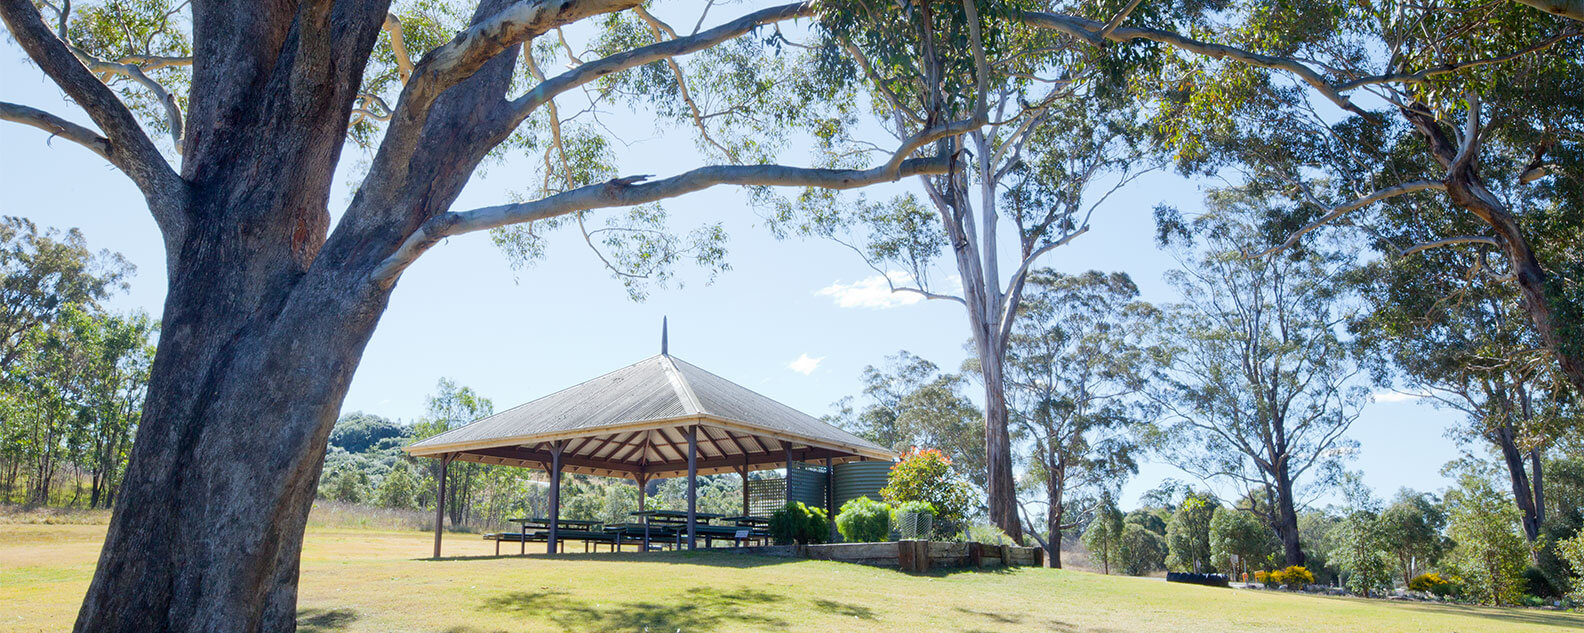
1255 384
1038 133
454 406
910 403
1473 105
230 118
1076 366
1436 330
43 274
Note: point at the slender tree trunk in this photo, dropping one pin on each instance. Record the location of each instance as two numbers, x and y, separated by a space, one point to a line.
1523 494
1054 514
1287 515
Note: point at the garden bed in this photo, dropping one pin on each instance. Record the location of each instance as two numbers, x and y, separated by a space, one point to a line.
914 556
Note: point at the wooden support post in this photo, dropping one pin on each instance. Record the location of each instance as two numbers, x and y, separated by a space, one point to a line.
692 484
440 498
555 495
830 497
643 484
744 472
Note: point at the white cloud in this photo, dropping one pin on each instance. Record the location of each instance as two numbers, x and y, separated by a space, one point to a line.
872 293
1396 396
805 365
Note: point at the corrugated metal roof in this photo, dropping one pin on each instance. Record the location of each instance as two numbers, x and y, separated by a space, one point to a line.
654 390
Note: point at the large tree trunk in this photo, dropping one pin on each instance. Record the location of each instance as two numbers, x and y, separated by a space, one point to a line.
207 531
1287 515
1559 326
999 483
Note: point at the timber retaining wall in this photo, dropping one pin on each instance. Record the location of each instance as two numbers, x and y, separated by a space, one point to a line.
914 556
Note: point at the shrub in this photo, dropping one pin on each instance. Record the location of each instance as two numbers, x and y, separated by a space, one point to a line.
985 533
864 520
1489 553
1293 577
1431 583
1537 584
927 475
1572 551
799 523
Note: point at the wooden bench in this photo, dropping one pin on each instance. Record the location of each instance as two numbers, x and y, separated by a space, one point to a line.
588 537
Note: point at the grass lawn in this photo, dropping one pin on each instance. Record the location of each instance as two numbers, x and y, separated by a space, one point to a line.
361 580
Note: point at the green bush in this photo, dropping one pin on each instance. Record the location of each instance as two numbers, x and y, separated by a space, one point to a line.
864 520
799 523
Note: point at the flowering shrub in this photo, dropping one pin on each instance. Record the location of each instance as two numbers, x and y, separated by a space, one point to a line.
927 475
1431 583
1294 577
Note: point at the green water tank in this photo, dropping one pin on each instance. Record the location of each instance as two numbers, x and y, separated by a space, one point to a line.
859 479
806 483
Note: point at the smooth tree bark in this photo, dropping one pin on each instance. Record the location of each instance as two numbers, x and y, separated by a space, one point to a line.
268 309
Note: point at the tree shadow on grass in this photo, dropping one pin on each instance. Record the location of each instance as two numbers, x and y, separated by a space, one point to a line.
845 610
699 609
1559 619
324 620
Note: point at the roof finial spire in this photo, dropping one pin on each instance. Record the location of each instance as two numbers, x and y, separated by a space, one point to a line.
664 345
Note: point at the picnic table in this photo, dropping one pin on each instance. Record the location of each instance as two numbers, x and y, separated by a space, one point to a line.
566 529
673 524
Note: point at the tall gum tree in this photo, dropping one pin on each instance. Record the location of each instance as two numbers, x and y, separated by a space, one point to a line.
269 306
1037 139
1256 384
1487 95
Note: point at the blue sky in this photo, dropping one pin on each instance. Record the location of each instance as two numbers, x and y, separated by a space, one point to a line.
796 320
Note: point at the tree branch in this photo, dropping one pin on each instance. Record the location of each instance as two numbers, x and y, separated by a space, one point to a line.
1464 239
630 191
584 73
56 126
393 28
1573 9
1389 192
1090 31
129 149
1116 20
1435 71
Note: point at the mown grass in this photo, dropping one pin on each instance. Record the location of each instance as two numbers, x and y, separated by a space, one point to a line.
361 580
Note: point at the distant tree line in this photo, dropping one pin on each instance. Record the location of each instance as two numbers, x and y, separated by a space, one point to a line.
72 373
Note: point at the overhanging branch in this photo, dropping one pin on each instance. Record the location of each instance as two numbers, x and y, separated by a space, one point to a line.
1389 192
584 73
630 191
1091 31
1465 239
128 148
55 125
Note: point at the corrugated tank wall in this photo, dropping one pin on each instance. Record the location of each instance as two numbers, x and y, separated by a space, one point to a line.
858 479
806 483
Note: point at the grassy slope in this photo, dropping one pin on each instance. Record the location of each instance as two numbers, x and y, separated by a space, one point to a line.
372 581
